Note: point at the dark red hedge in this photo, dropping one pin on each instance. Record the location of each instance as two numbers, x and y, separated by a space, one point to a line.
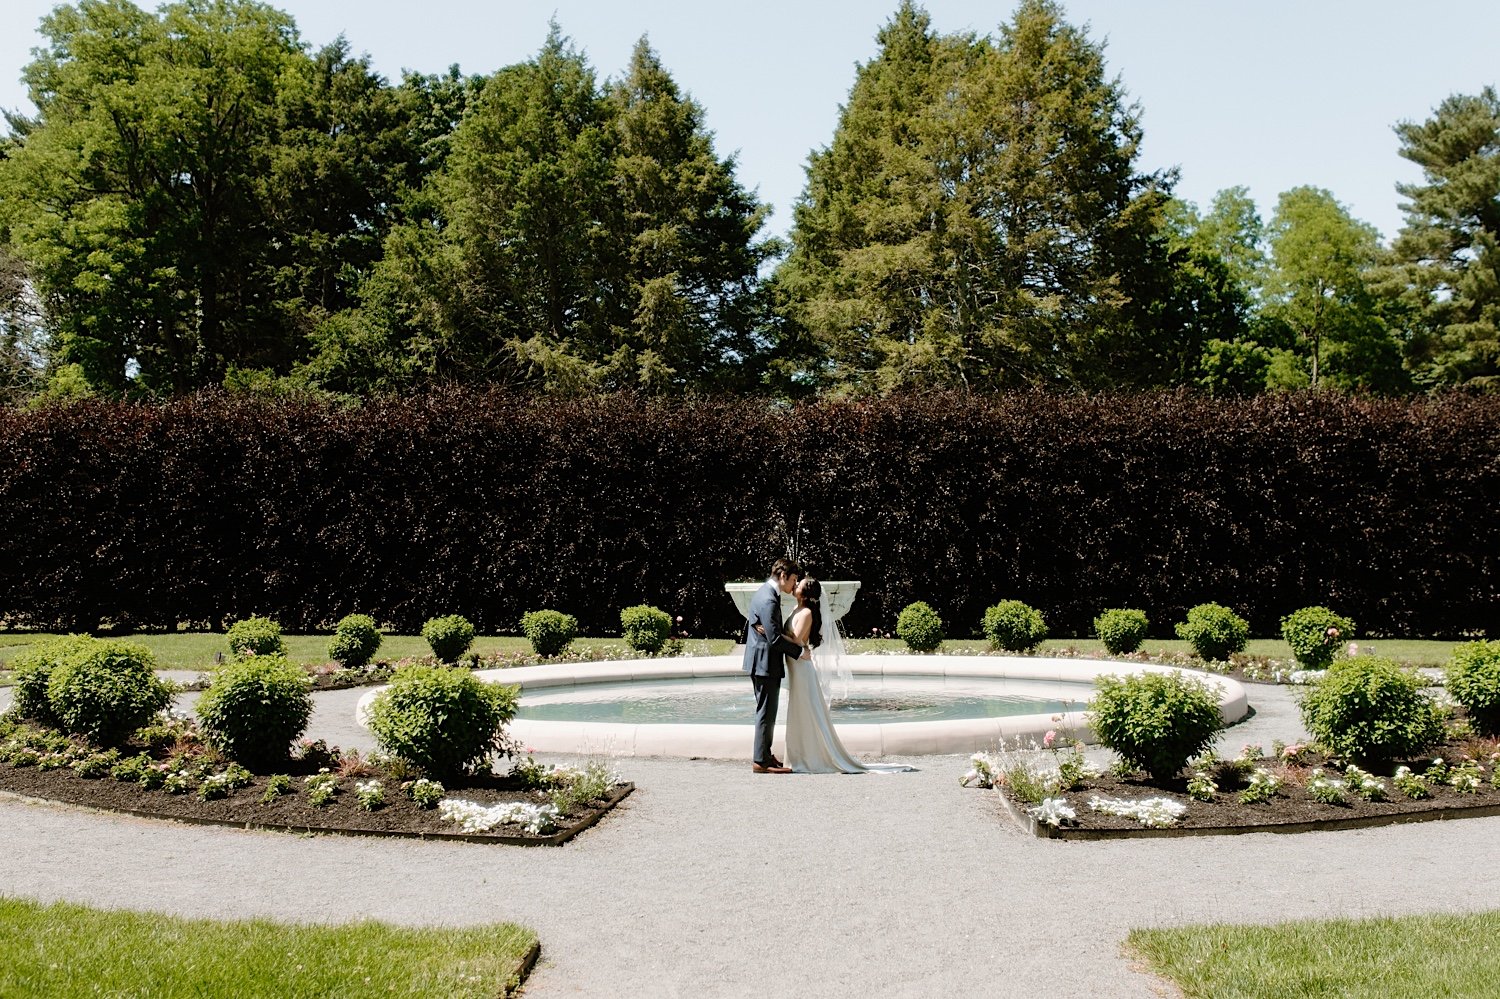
202 510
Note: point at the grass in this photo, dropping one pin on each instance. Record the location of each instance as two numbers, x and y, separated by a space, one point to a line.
195 650
1436 957
65 951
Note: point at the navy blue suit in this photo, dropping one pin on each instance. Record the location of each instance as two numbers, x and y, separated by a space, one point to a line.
765 660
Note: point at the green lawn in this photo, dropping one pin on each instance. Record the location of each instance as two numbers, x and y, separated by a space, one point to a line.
1434 957
195 650
64 951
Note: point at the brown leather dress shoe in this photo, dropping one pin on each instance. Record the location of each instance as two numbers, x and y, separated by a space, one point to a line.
777 769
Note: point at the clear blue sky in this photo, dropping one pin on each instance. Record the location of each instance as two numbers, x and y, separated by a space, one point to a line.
1270 94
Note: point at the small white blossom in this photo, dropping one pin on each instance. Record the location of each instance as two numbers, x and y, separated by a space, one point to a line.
1054 812
473 817
1157 813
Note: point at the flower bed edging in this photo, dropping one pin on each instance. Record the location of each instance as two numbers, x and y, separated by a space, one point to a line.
1042 830
555 839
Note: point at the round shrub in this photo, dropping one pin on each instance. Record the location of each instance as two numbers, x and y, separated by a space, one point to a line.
106 690
646 629
1013 625
256 708
1316 634
1122 630
1474 681
442 719
1214 631
449 637
920 627
1155 721
255 636
1369 708
355 641
549 632
33 671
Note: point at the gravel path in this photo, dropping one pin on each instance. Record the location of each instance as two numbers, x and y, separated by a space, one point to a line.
711 881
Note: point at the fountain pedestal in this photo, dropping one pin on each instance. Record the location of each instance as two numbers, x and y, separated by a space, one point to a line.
838 597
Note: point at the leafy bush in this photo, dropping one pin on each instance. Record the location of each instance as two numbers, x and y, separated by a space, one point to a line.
424 792
1316 634
1012 625
646 628
355 641
254 709
1214 631
255 636
1121 630
442 719
33 671
448 637
277 785
1155 721
1474 681
1370 708
550 632
920 627
104 691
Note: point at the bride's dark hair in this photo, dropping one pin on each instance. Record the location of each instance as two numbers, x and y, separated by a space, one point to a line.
812 592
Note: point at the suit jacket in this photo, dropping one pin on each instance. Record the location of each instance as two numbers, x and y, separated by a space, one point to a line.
765 654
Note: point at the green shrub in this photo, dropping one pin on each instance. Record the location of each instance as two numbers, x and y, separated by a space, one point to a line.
1316 634
277 785
448 637
1370 708
355 641
424 791
1155 721
444 720
255 636
1214 631
256 708
646 629
104 691
33 671
1474 682
550 632
920 627
1013 625
1121 630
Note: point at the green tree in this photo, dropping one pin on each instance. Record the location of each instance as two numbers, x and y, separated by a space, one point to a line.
1322 261
1446 273
977 220
21 355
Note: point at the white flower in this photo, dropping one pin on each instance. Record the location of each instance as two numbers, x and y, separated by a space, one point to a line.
473 817
1157 813
1054 812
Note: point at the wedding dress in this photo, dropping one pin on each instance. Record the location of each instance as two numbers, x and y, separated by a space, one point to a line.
812 744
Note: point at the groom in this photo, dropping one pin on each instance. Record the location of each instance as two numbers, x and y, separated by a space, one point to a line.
765 652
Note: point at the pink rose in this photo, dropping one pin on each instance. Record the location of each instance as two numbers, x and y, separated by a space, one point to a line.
1049 738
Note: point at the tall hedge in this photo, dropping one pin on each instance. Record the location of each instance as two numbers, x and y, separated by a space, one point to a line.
206 509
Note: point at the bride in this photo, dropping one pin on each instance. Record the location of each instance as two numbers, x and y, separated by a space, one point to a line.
812 744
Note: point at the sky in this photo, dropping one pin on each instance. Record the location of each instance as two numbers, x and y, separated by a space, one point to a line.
1271 94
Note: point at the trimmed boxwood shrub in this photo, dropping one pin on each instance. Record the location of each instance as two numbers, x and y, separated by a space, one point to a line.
1214 631
255 636
1014 626
441 718
1474 682
1122 630
550 632
1369 708
355 641
255 708
1155 721
33 671
920 627
104 691
448 637
1316 634
646 629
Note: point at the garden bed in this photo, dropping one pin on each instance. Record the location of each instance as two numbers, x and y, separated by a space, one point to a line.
1293 808
243 807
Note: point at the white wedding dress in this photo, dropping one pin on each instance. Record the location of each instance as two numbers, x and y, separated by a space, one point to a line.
812 743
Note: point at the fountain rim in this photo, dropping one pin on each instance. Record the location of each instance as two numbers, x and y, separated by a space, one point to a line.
925 738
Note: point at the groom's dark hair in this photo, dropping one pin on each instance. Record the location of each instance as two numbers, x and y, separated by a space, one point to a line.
784 567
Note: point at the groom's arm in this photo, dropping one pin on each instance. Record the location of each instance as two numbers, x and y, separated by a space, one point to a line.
774 637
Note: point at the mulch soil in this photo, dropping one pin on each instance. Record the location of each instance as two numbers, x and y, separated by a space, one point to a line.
1292 806
398 816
